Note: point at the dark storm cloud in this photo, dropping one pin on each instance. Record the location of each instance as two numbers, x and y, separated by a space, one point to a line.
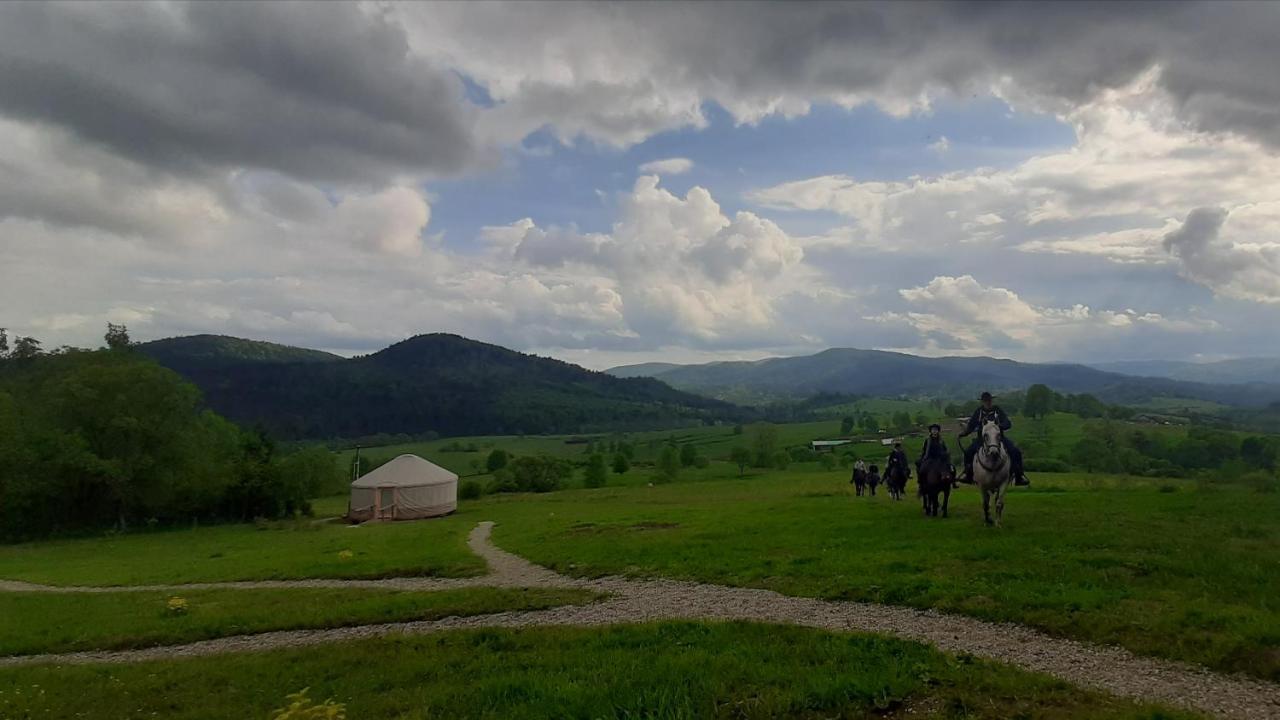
322 91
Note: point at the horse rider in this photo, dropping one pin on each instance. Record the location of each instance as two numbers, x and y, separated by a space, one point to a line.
898 457
935 448
988 411
860 465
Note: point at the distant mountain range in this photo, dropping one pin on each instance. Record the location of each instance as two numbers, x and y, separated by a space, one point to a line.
442 383
1240 370
880 373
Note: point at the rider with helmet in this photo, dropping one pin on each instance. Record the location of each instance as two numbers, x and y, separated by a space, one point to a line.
988 411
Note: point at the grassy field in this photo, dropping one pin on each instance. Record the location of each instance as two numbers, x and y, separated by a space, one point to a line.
647 671
33 623
274 551
1162 567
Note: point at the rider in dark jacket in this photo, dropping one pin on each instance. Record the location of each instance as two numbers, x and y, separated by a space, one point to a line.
898 457
935 447
986 412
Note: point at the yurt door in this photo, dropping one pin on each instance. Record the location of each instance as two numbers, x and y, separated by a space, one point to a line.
386 502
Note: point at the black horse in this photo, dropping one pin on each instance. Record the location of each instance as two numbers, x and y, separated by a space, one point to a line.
935 479
895 478
859 481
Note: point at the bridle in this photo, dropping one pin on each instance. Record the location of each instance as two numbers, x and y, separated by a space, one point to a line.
998 446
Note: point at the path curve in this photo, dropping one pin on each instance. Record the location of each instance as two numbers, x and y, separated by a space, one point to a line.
1109 669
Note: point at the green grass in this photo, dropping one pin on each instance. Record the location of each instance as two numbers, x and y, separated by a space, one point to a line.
647 671
275 551
64 622
1192 574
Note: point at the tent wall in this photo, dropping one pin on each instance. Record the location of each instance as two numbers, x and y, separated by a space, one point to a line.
422 501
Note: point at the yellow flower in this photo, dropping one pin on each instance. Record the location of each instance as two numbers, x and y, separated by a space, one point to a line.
177 605
345 554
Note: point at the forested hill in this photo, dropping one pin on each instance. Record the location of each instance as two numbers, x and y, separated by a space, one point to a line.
435 383
880 373
191 351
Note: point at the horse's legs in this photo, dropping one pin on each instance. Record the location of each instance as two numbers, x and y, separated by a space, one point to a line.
946 498
986 505
1000 503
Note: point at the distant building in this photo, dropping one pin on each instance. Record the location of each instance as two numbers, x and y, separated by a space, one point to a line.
827 445
407 488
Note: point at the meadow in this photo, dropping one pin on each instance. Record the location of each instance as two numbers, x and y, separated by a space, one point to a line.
1187 569
660 671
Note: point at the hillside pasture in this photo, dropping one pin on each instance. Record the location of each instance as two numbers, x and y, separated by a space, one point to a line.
1168 568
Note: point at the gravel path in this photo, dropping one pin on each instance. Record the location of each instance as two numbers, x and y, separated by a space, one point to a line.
1109 669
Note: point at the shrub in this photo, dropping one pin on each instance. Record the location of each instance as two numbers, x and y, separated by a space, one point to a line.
535 473
596 473
470 490
498 459
827 462
668 465
701 461
1168 488
1261 481
781 460
802 454
688 455
1053 465
620 463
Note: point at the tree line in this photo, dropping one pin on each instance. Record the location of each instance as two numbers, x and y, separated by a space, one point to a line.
95 439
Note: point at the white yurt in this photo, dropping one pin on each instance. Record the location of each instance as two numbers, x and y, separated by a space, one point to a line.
406 488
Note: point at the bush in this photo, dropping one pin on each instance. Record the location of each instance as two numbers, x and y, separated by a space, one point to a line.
668 466
621 464
781 460
470 490
595 474
701 461
498 459
1261 481
1052 465
1168 488
688 455
827 461
538 473
802 454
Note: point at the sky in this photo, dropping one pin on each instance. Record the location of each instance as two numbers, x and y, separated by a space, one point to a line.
623 183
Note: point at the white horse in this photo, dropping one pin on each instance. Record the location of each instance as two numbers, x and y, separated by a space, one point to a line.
991 471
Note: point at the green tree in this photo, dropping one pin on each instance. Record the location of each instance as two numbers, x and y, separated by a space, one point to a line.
498 459
741 457
902 420
846 425
869 423
117 337
764 443
620 463
595 474
537 473
688 455
668 467
921 420
1039 401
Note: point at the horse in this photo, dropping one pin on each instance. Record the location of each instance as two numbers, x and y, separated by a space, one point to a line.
991 468
873 478
859 481
895 479
935 477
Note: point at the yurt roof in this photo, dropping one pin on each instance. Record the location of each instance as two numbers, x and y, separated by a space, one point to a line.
406 471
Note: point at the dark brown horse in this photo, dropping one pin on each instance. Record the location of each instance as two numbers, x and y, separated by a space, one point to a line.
895 479
859 481
935 479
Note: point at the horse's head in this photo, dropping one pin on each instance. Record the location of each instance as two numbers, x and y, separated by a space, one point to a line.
992 441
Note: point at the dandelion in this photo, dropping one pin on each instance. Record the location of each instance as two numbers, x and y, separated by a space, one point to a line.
177 605
345 554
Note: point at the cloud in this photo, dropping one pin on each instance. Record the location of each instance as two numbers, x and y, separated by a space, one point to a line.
669 166
941 145
1250 272
559 66
329 92
959 315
